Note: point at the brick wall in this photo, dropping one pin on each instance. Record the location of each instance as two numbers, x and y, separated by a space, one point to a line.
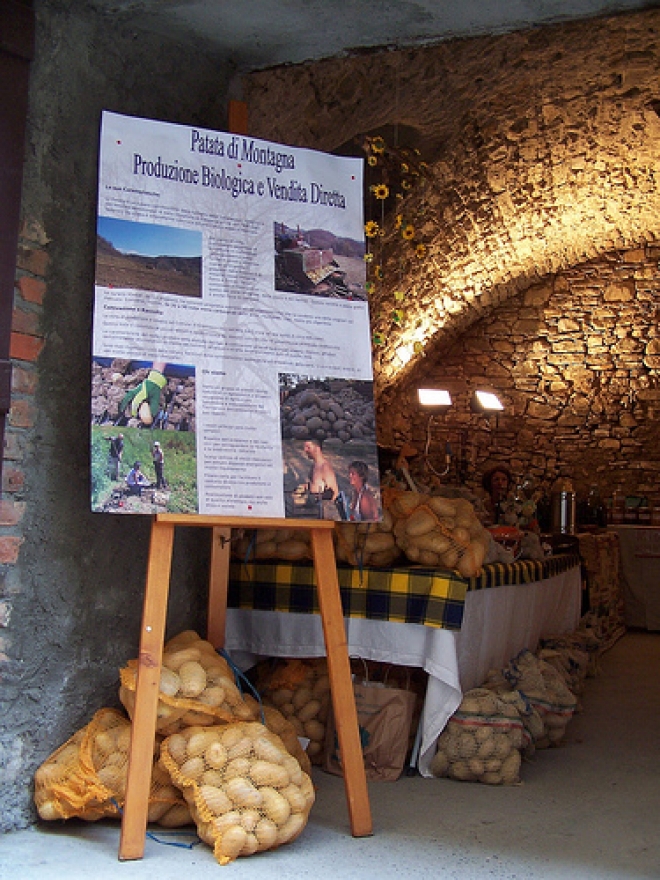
26 345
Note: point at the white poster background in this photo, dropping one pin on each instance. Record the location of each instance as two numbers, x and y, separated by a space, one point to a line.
242 332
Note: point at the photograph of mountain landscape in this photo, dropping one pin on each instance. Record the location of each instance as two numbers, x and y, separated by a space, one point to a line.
145 256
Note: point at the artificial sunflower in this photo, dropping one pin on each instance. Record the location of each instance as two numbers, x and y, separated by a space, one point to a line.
420 251
368 257
378 145
397 316
408 231
370 287
378 339
380 191
371 229
418 348
399 295
372 160
379 274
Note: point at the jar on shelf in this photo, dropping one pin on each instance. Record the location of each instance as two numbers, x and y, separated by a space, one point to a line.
562 507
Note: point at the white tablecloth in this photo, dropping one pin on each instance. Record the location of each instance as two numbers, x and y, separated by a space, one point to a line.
497 624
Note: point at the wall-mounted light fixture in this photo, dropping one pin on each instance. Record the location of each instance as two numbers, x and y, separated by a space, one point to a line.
435 400
433 397
486 402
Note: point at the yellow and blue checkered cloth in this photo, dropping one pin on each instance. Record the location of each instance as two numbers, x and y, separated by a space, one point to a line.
405 595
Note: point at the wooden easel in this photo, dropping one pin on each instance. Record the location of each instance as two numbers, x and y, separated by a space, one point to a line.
152 635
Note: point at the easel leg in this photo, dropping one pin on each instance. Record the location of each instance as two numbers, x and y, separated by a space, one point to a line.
339 671
218 582
152 635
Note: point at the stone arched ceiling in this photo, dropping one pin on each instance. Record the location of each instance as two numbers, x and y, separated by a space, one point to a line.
542 149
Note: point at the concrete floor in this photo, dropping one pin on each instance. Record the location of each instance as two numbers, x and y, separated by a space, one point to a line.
588 809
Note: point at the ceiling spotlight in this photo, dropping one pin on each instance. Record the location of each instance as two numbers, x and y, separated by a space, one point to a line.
433 397
486 401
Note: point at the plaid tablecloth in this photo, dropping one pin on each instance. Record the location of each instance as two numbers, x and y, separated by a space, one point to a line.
404 595
525 571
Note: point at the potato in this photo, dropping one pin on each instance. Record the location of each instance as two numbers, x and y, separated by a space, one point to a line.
420 522
230 843
434 541
170 682
193 768
443 506
199 742
295 798
314 730
216 799
291 828
309 710
266 833
193 678
265 773
301 697
212 696
176 659
243 793
275 805
216 756
378 542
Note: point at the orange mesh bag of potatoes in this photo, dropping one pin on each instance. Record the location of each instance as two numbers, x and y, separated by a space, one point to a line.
197 687
273 719
299 689
246 793
86 777
440 532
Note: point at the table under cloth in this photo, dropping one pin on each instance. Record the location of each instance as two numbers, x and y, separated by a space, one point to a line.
456 629
412 594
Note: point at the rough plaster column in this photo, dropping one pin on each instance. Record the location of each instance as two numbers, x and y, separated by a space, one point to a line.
72 582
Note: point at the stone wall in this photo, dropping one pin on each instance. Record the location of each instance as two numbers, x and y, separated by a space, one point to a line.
541 150
574 361
538 219
71 582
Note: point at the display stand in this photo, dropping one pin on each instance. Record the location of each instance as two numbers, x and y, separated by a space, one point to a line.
152 635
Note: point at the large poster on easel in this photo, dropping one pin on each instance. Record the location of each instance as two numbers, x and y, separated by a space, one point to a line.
231 355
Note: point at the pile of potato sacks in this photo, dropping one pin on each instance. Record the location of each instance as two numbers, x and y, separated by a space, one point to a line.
523 707
435 531
222 761
429 530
